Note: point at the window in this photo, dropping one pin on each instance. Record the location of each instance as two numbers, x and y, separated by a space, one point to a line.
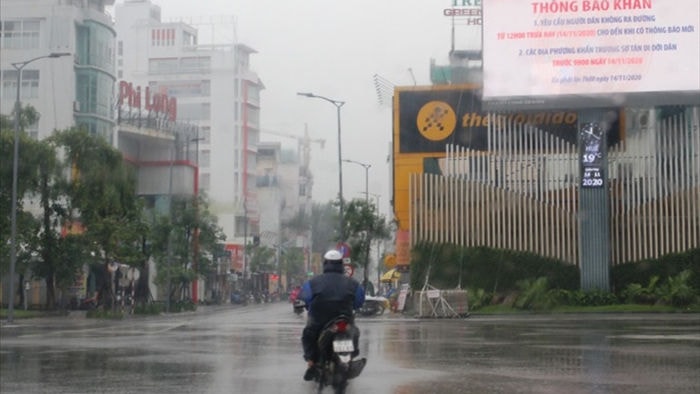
205 182
193 111
33 131
188 39
29 88
162 66
120 48
196 88
94 92
163 37
195 64
205 158
253 118
20 34
205 132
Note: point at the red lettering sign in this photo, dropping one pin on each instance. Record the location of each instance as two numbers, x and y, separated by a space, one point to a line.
158 103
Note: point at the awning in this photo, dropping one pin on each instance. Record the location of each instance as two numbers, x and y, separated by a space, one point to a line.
391 275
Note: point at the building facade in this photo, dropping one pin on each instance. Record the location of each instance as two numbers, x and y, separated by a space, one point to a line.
75 90
216 90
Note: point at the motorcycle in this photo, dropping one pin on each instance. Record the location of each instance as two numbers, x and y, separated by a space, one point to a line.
299 306
337 363
373 306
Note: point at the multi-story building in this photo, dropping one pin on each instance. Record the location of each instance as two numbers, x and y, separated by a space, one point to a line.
215 90
284 186
75 90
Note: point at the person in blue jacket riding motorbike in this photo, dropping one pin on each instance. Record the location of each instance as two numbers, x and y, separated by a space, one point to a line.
328 296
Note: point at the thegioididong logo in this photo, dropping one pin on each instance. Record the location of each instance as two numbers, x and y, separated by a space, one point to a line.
436 120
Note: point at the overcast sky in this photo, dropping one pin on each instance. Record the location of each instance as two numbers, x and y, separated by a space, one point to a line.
333 49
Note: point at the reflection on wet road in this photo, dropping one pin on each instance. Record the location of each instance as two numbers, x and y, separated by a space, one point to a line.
256 349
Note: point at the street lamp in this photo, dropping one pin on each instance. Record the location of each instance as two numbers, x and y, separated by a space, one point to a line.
337 104
379 244
366 166
15 164
195 259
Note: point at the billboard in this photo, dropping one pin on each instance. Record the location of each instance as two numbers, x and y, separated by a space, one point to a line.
429 118
591 53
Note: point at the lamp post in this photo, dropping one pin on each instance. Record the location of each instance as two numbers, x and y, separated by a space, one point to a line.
15 164
195 258
366 167
337 105
379 244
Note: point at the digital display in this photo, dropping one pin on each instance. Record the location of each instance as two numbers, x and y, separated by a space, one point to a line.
591 142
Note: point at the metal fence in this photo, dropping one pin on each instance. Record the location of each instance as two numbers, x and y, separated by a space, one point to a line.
522 193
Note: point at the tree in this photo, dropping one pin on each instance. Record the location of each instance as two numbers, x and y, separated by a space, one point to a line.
292 260
262 258
172 239
102 197
362 227
40 176
324 228
26 185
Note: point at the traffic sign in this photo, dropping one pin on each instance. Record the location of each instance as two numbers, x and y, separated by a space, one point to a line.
349 270
343 248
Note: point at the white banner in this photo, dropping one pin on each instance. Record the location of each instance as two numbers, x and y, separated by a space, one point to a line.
582 47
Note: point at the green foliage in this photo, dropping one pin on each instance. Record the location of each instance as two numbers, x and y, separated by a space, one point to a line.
184 306
539 283
362 227
293 265
151 308
638 294
677 291
594 297
33 166
103 193
262 258
534 295
479 298
100 313
496 270
664 267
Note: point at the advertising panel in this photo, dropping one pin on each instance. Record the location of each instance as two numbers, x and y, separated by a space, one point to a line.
428 118
591 53
431 118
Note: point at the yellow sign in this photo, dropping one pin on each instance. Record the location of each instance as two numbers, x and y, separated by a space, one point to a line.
390 261
436 120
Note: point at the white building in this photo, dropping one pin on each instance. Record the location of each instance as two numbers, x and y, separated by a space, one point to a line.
215 90
71 90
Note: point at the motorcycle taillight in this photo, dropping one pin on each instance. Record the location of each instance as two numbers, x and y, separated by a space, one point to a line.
341 326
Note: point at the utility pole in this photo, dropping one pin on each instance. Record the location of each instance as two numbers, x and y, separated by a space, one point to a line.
170 231
338 104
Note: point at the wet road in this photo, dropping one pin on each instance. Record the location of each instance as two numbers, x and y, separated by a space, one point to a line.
256 349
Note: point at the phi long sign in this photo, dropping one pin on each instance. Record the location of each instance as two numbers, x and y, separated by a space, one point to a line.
156 103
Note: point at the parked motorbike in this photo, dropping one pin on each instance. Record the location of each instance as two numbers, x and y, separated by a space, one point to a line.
299 306
373 306
337 348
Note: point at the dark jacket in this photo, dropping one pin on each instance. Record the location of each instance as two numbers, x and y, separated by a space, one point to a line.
331 294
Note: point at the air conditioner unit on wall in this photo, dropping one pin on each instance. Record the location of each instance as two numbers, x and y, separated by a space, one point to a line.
76 106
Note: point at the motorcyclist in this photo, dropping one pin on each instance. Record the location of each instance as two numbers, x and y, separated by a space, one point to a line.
327 296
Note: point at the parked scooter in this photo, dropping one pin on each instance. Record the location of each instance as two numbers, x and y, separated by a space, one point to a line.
298 305
373 306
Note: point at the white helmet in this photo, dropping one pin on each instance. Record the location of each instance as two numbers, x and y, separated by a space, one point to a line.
333 256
